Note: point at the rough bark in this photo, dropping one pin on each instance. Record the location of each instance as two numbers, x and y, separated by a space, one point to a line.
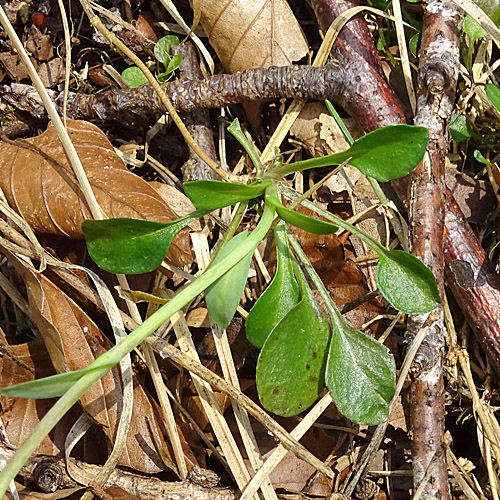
198 121
332 81
437 80
473 281
50 474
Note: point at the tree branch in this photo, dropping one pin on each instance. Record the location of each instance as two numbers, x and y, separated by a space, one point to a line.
437 80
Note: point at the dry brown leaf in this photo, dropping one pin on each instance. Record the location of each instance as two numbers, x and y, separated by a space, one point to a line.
319 132
253 34
198 318
52 72
28 493
20 363
73 341
39 45
194 407
40 185
13 65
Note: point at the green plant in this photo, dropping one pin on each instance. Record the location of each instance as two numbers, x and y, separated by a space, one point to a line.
296 340
135 77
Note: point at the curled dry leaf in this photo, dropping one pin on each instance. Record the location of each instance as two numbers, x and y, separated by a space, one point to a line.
73 341
40 185
20 363
236 28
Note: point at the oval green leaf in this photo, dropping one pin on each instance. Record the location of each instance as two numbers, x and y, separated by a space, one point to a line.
224 295
473 29
384 154
389 152
309 224
493 93
131 246
162 48
406 282
210 195
278 298
460 128
361 375
290 368
134 77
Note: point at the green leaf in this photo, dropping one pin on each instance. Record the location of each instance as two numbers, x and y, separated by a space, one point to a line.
50 387
291 363
460 128
384 154
172 65
493 93
224 295
361 375
210 195
162 48
387 153
480 158
131 246
472 29
134 77
239 135
278 298
406 282
309 224
414 44
492 9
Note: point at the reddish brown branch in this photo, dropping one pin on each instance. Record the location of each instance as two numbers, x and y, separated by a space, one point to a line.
472 280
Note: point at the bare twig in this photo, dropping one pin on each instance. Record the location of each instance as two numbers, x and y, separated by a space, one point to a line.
50 474
437 80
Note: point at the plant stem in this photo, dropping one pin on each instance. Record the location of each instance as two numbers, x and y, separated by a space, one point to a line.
331 307
233 226
105 362
238 134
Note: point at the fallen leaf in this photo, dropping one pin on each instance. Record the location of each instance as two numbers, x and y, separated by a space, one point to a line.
235 29
39 45
318 130
52 72
14 66
20 363
198 318
40 185
73 341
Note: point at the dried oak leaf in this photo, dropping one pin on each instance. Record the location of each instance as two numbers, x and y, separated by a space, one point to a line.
235 29
23 363
40 185
73 341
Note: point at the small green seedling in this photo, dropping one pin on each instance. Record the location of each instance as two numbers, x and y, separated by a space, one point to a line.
300 352
135 77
